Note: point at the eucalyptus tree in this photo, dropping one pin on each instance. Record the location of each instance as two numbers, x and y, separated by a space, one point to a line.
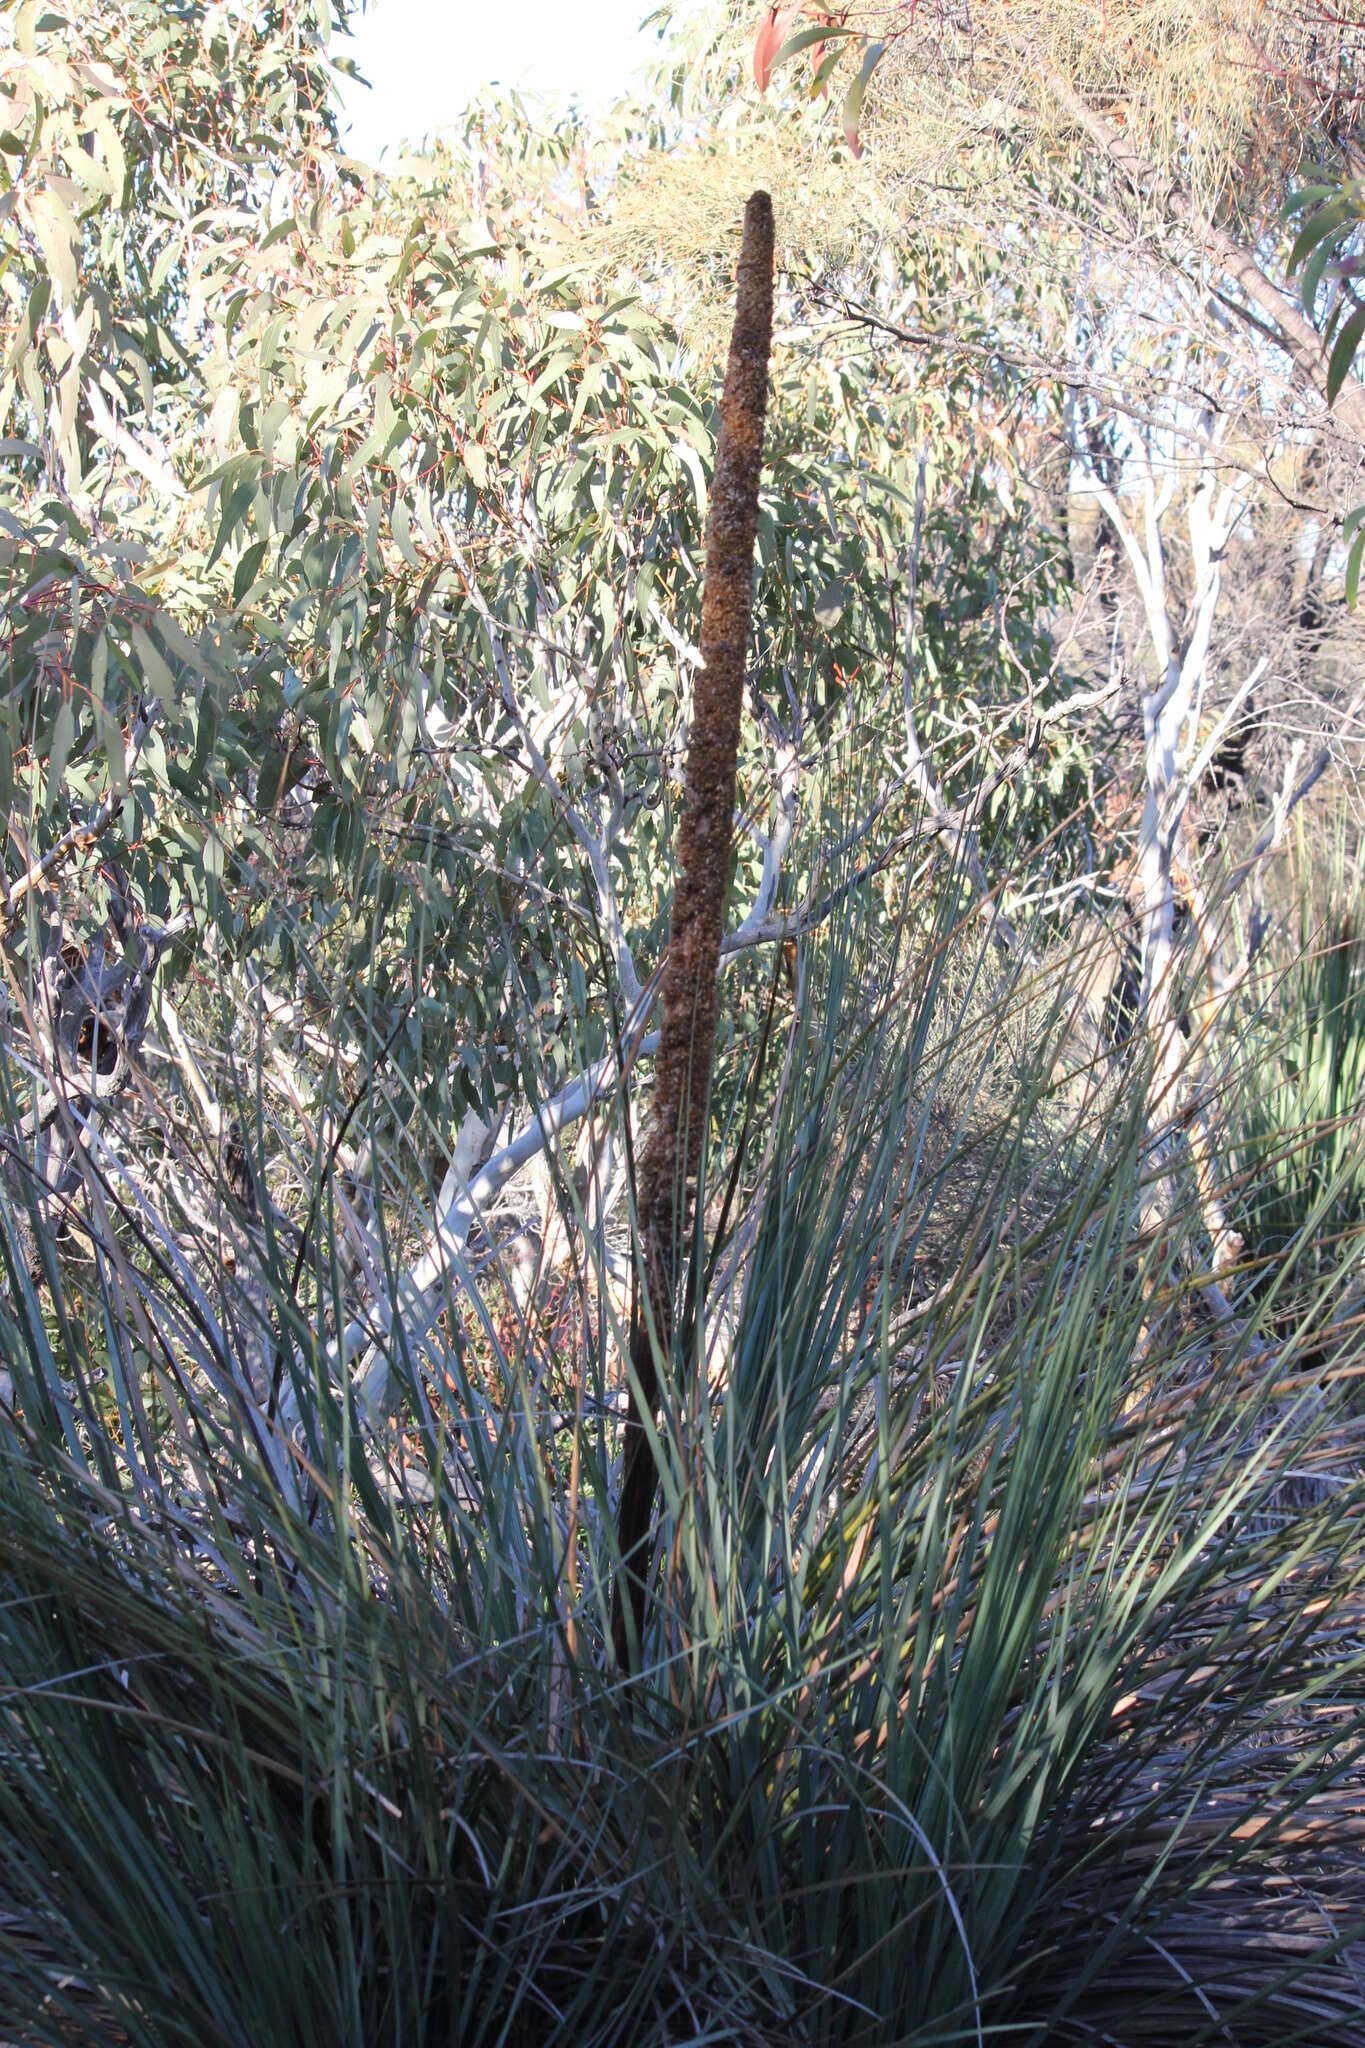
1136 163
134 138
354 527
1183 127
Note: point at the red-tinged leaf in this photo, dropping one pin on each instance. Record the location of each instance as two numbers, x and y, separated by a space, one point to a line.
766 44
815 40
817 55
770 38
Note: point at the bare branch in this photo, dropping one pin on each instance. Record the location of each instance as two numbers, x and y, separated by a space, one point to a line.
1295 335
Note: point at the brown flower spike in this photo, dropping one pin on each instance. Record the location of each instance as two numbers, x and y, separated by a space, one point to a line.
672 1154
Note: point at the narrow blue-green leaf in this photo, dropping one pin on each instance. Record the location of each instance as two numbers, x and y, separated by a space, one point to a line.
1344 353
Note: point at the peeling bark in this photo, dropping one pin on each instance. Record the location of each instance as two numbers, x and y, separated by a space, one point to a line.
669 1165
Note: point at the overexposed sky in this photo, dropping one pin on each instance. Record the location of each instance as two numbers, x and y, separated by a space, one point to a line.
426 58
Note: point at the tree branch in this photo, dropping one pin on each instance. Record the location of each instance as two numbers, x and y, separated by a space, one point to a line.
1292 332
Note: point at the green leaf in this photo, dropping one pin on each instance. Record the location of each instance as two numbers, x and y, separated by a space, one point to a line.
1353 562
59 241
156 674
222 421
1307 195
402 534
114 157
691 462
822 33
111 738
1313 272
247 570
235 499
63 738
853 103
1344 353
1324 222
825 70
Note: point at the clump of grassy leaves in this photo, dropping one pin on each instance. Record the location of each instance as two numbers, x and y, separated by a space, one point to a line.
1002 1680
